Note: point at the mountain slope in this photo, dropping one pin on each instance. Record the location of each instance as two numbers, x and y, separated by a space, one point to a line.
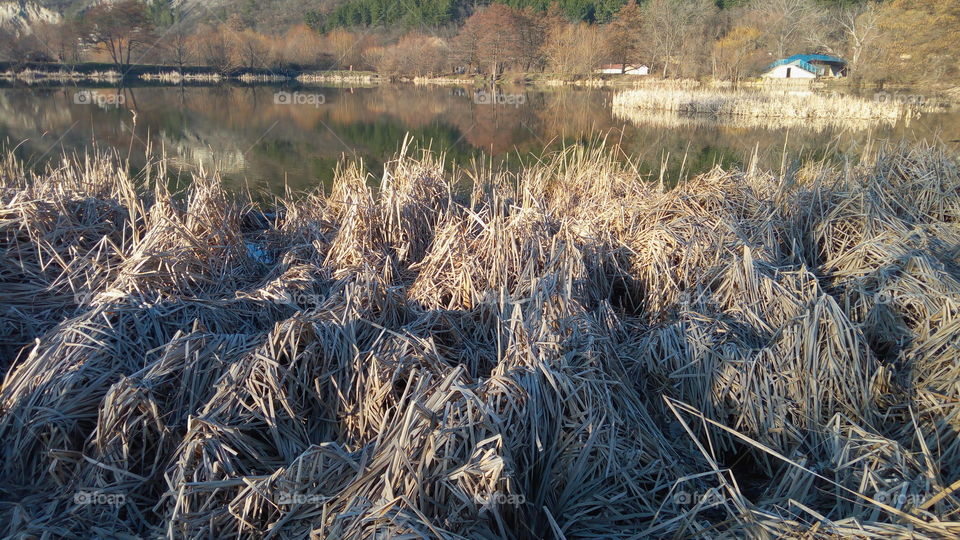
20 16
262 14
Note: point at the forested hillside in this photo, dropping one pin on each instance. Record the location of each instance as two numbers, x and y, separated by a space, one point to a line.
438 12
882 41
273 14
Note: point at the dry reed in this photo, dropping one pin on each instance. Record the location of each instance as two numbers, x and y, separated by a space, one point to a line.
562 352
760 105
680 120
176 77
32 76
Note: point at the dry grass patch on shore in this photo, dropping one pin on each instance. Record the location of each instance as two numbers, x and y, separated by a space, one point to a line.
561 352
32 76
762 104
680 120
175 77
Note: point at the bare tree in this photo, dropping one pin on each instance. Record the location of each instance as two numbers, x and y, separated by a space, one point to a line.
788 22
737 53
175 43
22 47
622 36
573 48
251 49
178 46
413 54
532 30
62 40
214 49
465 47
346 47
675 31
301 46
861 29
495 33
120 28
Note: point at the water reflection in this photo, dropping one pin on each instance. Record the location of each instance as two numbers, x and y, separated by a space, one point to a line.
253 136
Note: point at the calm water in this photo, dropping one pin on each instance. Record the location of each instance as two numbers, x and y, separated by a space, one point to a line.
250 137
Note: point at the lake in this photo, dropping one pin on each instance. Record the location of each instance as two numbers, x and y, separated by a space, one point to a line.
267 136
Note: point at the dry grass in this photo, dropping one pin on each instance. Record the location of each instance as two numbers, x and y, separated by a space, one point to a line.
31 76
341 76
175 77
562 352
760 106
680 120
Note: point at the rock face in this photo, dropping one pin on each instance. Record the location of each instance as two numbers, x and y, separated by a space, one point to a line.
21 16
272 15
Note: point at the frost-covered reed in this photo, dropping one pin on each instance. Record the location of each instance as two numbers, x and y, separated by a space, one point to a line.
561 352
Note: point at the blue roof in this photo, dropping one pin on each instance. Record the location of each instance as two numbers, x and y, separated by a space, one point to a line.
817 58
804 61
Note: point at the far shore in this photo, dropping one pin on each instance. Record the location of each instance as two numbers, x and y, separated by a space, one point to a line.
28 74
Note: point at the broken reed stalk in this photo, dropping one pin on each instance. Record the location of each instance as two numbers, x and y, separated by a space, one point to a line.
566 352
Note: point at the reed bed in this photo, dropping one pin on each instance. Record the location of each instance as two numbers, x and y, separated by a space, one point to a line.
442 81
762 104
359 77
31 76
678 120
566 351
177 77
262 78
211 77
617 80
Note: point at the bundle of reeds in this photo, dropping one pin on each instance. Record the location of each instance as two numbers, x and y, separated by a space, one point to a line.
35 76
176 77
358 77
565 351
752 104
668 119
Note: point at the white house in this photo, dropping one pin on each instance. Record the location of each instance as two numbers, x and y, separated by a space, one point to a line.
617 69
807 66
789 72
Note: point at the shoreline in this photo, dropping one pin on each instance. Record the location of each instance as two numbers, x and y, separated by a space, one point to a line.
34 75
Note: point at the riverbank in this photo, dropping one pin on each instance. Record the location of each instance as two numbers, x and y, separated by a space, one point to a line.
360 78
751 108
44 74
563 350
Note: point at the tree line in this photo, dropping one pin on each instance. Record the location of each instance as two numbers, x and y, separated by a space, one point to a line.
894 40
434 13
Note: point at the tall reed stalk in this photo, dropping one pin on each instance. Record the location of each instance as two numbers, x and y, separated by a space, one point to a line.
565 351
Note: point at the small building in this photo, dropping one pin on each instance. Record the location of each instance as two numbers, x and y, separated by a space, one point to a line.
618 69
807 66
